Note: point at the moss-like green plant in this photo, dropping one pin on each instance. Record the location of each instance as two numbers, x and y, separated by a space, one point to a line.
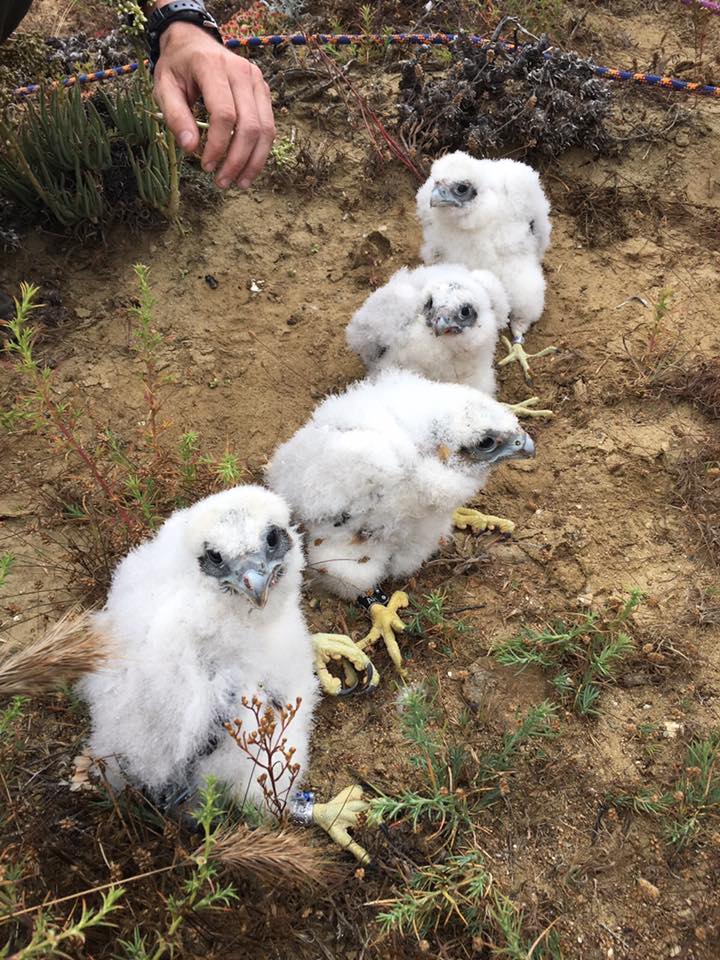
62 157
583 653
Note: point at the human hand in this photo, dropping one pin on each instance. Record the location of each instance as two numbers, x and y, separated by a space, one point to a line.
192 64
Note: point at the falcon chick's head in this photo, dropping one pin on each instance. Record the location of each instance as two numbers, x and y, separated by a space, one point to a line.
244 544
456 300
484 432
463 191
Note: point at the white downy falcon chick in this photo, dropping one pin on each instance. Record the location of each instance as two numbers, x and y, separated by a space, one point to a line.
491 215
375 474
204 613
440 321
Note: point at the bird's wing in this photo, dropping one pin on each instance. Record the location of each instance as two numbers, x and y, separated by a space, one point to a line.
154 705
374 328
497 295
330 474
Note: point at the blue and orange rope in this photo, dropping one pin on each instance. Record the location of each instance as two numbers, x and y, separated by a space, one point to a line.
394 39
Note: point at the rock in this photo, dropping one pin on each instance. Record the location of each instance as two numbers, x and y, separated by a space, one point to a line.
580 390
614 463
12 506
682 138
648 890
635 679
507 552
671 729
637 248
372 251
481 683
501 694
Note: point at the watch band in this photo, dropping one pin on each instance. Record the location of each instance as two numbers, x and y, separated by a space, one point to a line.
189 11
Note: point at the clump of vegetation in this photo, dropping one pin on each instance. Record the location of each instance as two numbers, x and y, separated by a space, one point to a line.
118 489
500 97
295 163
455 786
697 480
692 804
88 161
583 653
51 938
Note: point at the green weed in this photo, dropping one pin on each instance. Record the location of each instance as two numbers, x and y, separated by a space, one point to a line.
6 562
11 713
583 654
442 763
439 893
134 480
201 891
456 887
51 939
692 802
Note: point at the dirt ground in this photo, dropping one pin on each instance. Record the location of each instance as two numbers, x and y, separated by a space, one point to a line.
597 512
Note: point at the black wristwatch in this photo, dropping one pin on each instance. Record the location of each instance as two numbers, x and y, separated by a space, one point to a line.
191 11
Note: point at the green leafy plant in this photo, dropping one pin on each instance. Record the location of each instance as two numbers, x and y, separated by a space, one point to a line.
135 480
692 802
582 654
442 763
455 788
437 894
52 939
201 890
284 152
6 562
11 713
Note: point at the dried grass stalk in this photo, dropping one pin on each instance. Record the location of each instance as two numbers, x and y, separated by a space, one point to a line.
275 857
697 476
67 651
698 382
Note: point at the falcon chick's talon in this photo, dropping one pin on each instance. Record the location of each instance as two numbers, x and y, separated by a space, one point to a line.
522 409
386 623
360 674
478 522
516 351
341 814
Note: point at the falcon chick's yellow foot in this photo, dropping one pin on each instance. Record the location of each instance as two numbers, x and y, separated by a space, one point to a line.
516 351
385 622
478 522
523 409
360 676
339 815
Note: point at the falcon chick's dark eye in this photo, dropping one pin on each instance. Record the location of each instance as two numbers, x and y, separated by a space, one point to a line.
272 538
465 312
487 443
214 557
428 304
462 188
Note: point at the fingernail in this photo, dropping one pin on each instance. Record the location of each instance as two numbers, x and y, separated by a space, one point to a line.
244 184
186 139
223 182
209 167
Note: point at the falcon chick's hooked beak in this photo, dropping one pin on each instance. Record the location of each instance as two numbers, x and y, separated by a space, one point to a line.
250 574
254 576
493 449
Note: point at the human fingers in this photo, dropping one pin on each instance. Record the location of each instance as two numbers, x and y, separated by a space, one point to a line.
172 98
266 133
247 126
220 105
